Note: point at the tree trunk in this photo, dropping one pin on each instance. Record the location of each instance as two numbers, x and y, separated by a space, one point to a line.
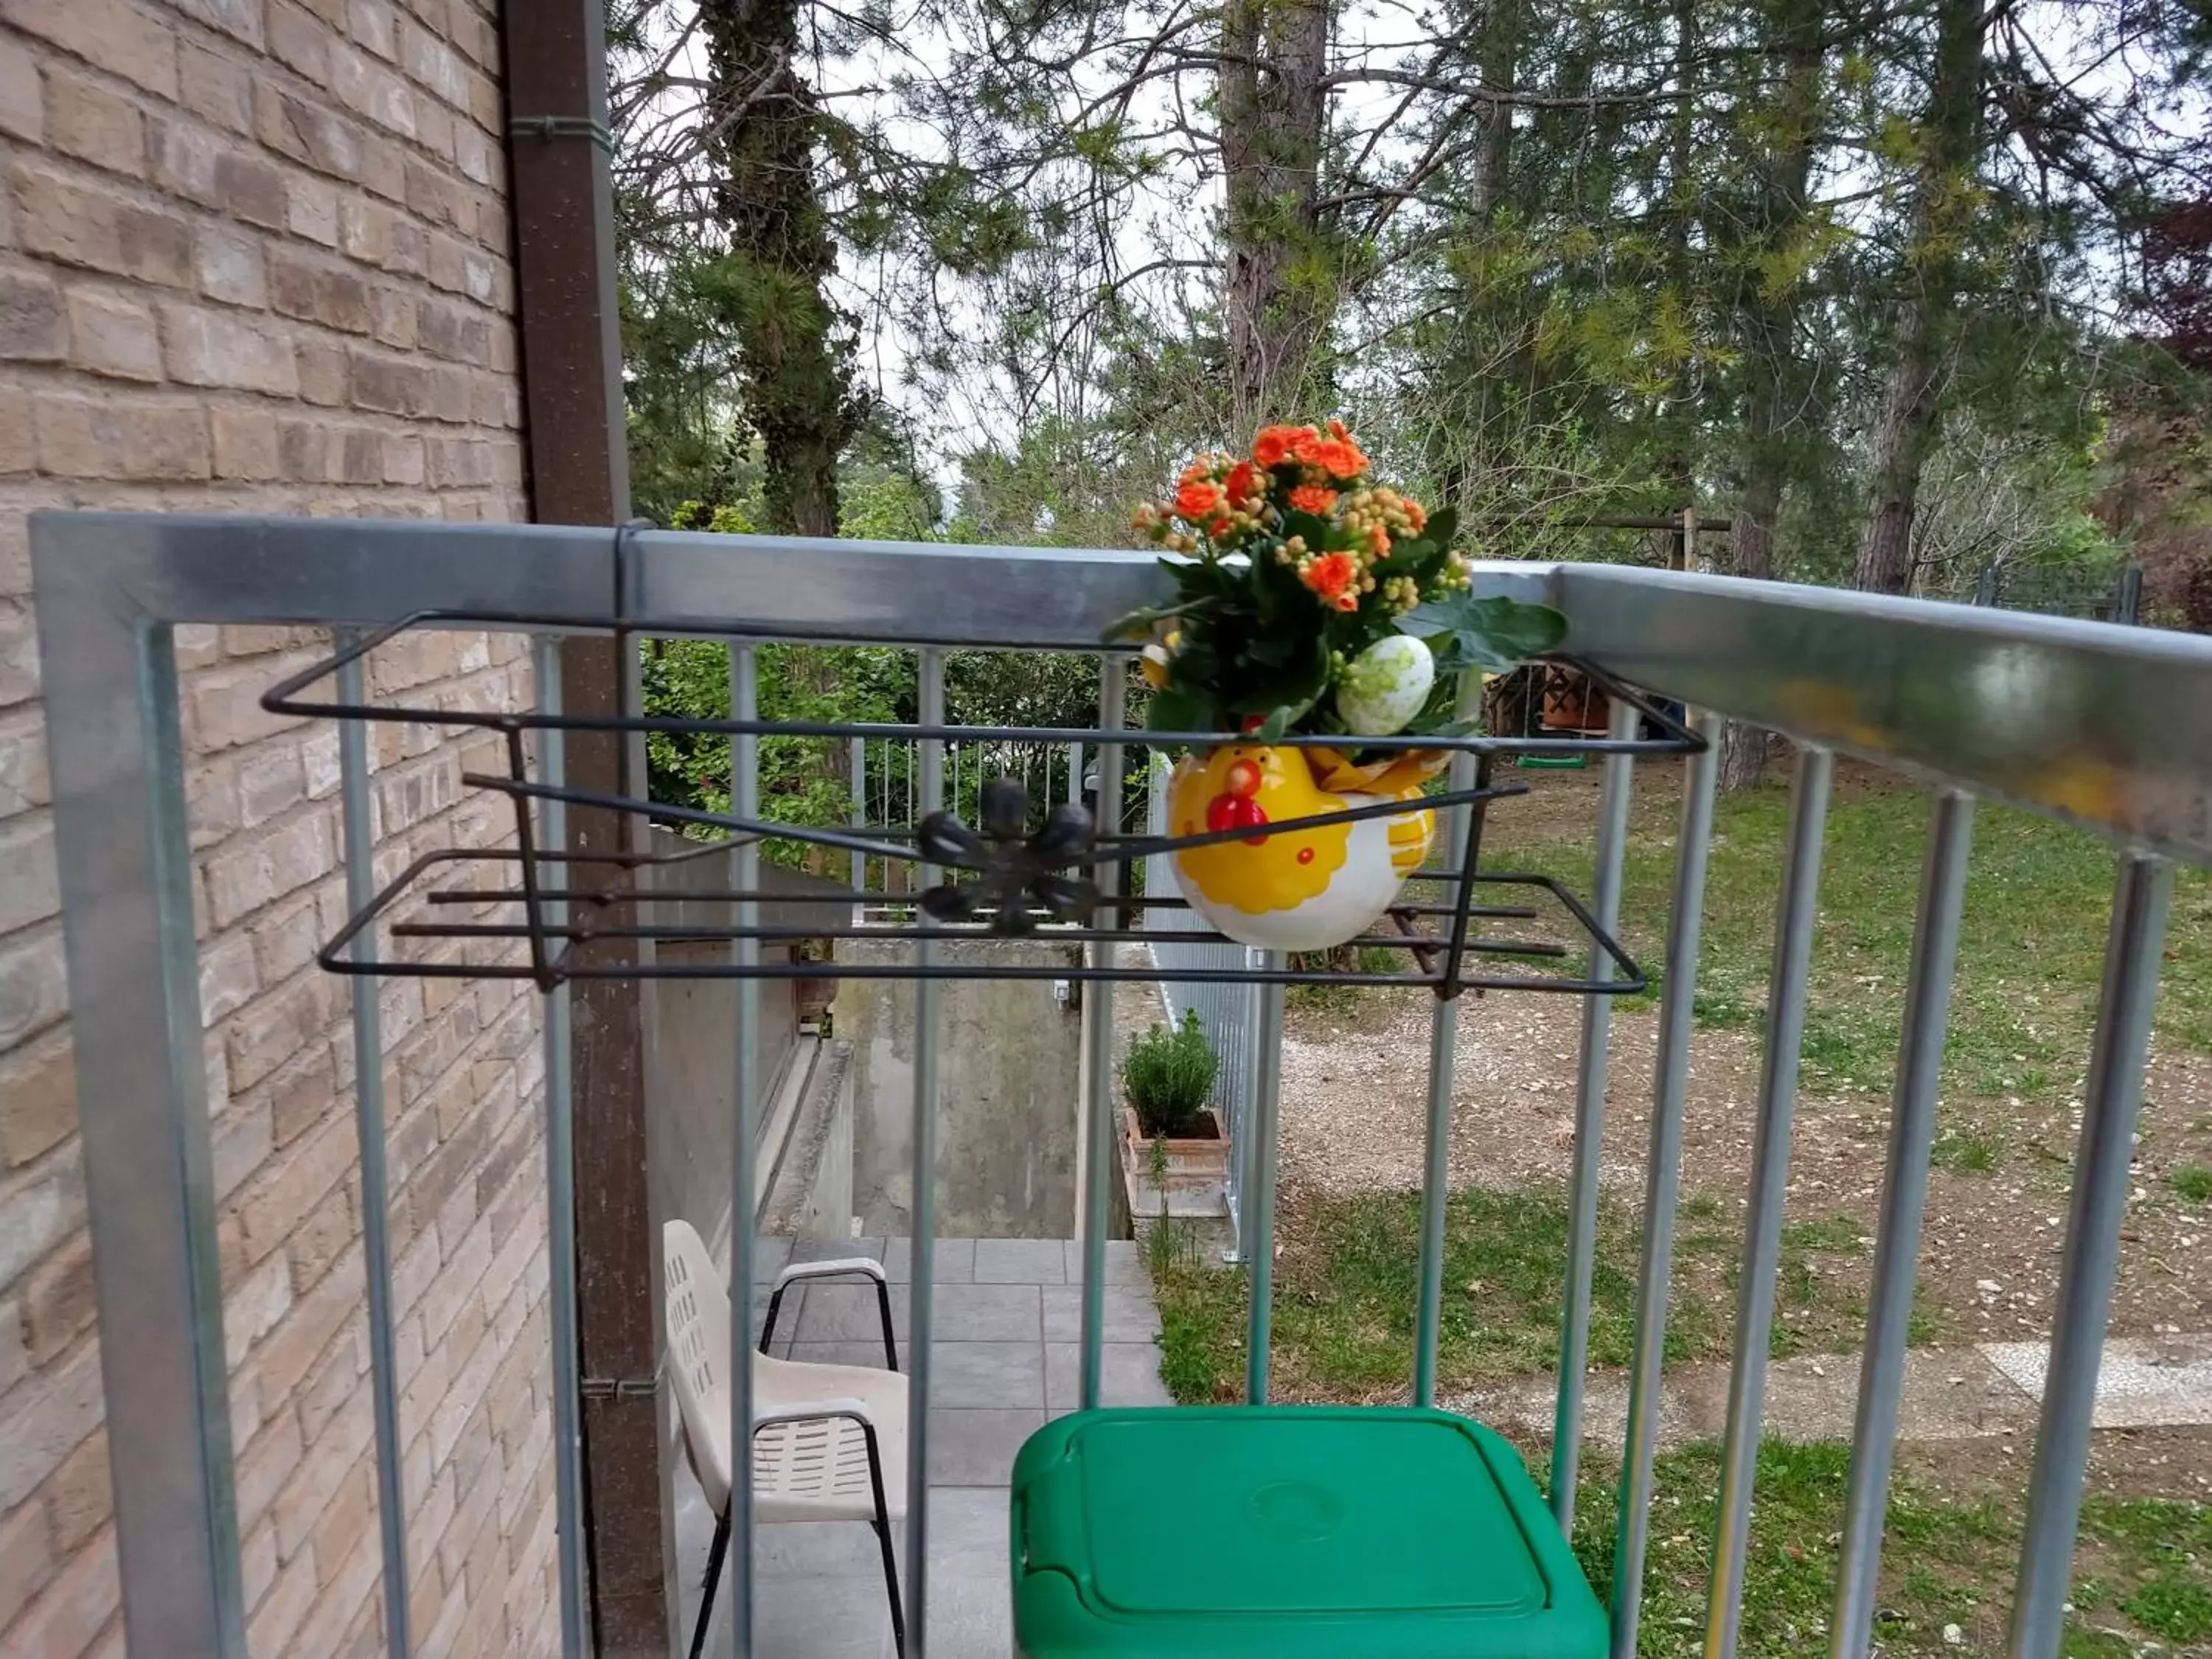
1278 292
797 395
1911 410
1772 376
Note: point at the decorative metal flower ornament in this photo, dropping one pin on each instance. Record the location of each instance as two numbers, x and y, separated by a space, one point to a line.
1015 874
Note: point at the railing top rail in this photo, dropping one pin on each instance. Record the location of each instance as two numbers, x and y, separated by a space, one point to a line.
2110 726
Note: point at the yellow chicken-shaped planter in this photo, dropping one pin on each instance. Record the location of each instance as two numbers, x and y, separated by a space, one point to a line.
1299 889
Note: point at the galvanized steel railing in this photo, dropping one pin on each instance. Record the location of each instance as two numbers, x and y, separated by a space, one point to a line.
1228 1013
2106 726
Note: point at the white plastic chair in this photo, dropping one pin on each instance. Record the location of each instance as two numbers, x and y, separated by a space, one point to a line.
823 1435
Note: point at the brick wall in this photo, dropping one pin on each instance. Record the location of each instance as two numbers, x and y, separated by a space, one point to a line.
254 257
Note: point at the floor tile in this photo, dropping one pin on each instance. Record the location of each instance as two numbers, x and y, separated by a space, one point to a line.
987 1313
1129 1314
976 1448
848 1313
1020 1261
1129 1374
1123 1265
952 1262
987 1374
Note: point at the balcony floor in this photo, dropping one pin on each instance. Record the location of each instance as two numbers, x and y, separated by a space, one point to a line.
1004 1358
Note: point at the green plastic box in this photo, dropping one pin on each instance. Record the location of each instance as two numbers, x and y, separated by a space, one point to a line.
1289 1532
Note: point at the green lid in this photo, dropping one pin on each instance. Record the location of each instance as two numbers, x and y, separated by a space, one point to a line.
1286 1530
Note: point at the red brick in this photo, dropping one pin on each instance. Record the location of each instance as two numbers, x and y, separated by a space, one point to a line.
31 329
325 378
79 225
317 290
457 333
80 1497
371 90
244 444
389 241
26 1557
57 1299
223 349
300 41
312 210
307 132
251 189
394 386
114 35
87 121
112 335
22 104
216 88
230 269
86 438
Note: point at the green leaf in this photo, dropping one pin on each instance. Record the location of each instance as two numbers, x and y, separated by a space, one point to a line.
1494 634
1442 527
1172 710
1272 728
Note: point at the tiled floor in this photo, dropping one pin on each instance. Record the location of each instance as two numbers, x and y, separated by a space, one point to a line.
1006 1318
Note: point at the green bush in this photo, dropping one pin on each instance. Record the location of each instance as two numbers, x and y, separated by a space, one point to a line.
1169 1076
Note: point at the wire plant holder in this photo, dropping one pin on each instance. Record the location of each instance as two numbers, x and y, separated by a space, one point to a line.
581 914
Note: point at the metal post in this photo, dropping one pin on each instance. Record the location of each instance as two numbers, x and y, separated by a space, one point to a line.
860 810
1795 915
1614 798
2133 951
1074 774
1443 1045
368 1125
561 1190
1897 1244
1098 1041
1662 1181
126 878
746 1038
2128 607
1259 1194
928 782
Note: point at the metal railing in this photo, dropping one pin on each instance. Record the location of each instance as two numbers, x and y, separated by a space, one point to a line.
2107 726
1228 1013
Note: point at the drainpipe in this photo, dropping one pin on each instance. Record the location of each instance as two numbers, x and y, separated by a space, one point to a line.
558 149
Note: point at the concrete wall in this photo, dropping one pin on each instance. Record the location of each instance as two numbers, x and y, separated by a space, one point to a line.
255 259
694 1097
1009 1080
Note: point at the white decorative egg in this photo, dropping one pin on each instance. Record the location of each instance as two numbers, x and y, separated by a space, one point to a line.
1386 685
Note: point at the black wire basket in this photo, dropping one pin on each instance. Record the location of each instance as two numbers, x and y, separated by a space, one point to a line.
460 912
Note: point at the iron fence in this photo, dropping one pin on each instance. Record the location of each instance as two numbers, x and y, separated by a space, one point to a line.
2107 726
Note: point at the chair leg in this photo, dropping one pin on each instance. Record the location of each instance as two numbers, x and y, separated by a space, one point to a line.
713 1581
881 1523
884 1308
768 1325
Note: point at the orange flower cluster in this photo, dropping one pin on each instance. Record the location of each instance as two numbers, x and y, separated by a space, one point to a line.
1228 503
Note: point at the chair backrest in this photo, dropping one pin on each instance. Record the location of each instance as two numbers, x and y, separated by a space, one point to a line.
698 1321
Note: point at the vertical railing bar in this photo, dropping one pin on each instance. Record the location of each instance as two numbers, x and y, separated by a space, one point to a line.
1663 1182
1615 795
1075 773
561 1195
928 778
744 1042
1897 1240
1260 1192
859 769
1796 912
368 1121
2134 951
1443 1047
1099 1158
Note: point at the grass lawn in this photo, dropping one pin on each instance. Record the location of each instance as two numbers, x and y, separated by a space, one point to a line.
2143 1571
2030 948
1346 1287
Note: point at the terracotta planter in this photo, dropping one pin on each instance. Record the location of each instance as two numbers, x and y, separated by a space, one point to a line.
1573 704
1300 889
1194 1162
